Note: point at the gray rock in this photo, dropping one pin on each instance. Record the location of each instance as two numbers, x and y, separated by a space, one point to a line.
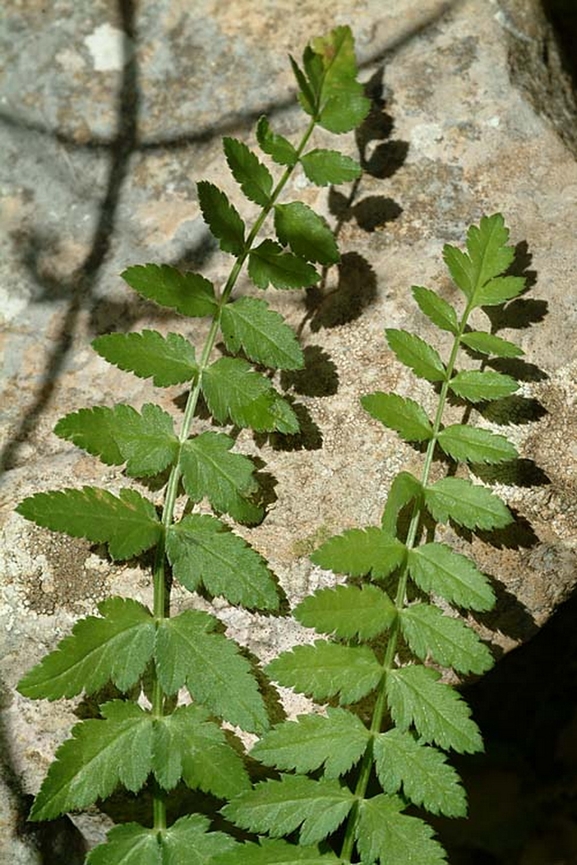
104 136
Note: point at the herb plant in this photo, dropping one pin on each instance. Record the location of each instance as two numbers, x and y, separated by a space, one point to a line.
348 775
145 737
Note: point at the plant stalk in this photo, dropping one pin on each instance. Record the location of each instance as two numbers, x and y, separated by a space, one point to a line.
400 599
161 599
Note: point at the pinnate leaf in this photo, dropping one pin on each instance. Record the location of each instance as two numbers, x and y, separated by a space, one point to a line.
222 217
416 697
342 103
334 742
329 166
273 851
436 309
166 359
488 343
127 523
226 479
446 640
478 386
438 569
417 354
268 264
499 290
347 611
326 669
487 248
188 745
100 755
130 844
188 652
146 441
467 504
488 256
361 551
189 293
475 445
421 770
201 549
115 646
274 145
386 835
404 490
280 807
402 414
186 842
234 391
249 324
307 233
252 176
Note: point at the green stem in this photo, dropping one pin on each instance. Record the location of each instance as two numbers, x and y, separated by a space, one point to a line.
400 599
161 598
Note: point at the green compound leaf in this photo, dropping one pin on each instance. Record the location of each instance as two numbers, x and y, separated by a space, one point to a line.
115 647
226 479
186 842
188 745
276 146
249 324
252 176
329 611
487 343
438 569
233 390
401 414
467 504
268 264
221 217
307 233
332 71
100 755
201 549
130 844
280 807
488 256
189 293
272 851
146 442
166 359
417 354
387 836
324 167
404 490
436 309
416 697
306 96
499 290
421 770
326 669
361 551
474 445
209 664
334 743
477 386
127 523
449 642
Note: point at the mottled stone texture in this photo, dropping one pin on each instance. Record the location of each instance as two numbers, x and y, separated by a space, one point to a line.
109 113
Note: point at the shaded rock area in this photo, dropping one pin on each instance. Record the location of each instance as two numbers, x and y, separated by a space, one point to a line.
109 113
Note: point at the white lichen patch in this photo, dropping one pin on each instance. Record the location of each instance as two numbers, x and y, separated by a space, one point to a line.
109 48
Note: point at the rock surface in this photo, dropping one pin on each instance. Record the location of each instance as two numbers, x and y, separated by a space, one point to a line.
107 119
